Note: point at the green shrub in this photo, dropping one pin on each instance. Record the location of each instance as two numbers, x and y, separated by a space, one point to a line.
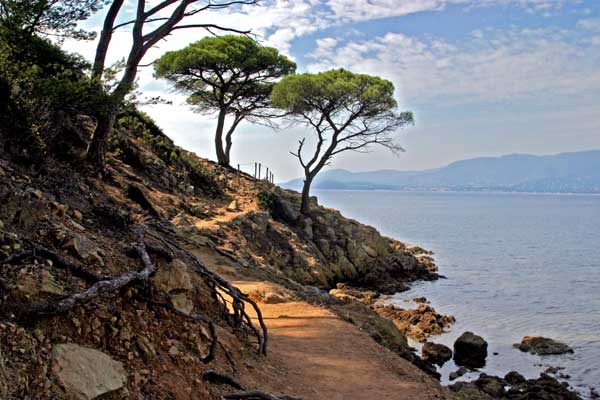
266 200
200 177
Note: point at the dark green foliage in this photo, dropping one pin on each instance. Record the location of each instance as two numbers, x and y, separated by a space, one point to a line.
44 91
200 177
267 200
54 17
134 123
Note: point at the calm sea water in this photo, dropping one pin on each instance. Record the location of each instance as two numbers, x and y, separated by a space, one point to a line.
517 265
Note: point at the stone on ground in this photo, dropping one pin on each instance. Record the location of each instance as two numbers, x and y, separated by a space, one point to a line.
85 373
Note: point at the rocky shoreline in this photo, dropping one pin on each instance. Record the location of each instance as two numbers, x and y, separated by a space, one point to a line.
470 352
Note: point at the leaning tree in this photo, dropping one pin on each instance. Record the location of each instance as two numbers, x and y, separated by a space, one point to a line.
232 76
348 112
149 25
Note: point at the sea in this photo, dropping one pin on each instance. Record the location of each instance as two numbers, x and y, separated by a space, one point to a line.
514 264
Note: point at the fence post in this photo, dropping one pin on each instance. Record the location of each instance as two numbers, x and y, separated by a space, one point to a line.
267 174
238 175
259 168
255 168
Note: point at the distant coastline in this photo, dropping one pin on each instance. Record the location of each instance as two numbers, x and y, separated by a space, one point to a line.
561 173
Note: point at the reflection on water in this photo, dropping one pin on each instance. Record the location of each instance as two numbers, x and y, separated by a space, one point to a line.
517 265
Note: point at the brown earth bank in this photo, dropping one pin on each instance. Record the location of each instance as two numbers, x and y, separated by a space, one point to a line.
177 279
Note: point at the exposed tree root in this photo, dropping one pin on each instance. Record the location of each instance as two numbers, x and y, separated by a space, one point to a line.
212 376
39 250
220 287
98 289
258 395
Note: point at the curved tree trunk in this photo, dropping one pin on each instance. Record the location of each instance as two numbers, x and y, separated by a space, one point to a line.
305 204
98 146
222 155
229 139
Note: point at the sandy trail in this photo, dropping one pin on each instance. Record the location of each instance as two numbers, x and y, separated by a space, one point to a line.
325 357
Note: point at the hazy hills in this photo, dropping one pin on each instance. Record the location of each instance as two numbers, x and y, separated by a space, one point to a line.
562 173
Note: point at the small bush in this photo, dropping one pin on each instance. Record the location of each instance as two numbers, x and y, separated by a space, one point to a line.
200 177
266 200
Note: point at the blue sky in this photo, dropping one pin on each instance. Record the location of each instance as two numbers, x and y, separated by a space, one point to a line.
483 77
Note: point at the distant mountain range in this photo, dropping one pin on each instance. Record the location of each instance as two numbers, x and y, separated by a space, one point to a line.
561 173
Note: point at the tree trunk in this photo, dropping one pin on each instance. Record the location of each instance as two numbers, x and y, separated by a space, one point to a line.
305 204
228 137
222 156
98 145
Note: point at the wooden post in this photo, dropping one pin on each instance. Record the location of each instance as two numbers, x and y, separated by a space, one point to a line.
259 168
238 175
267 174
255 169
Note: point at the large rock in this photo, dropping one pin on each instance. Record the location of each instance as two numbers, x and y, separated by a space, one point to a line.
542 346
418 323
470 350
436 353
86 373
173 276
285 211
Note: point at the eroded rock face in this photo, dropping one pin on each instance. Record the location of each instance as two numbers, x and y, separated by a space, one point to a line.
436 353
419 323
470 350
85 373
542 346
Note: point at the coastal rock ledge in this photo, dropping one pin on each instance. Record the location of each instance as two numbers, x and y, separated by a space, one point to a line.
542 346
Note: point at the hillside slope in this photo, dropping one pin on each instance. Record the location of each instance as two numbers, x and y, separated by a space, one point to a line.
66 232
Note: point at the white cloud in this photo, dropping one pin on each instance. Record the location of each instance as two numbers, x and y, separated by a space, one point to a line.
492 66
589 24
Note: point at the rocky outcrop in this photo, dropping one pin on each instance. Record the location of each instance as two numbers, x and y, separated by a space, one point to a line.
174 279
419 323
542 346
470 350
325 248
515 388
86 374
436 353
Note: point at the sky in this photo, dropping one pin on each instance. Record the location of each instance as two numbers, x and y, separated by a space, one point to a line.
482 77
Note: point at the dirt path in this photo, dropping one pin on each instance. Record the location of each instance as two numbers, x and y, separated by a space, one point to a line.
315 354
324 357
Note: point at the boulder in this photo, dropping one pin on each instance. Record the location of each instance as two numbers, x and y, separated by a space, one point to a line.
470 350
458 373
182 302
436 353
86 373
514 378
173 276
83 248
542 346
419 323
491 385
285 211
